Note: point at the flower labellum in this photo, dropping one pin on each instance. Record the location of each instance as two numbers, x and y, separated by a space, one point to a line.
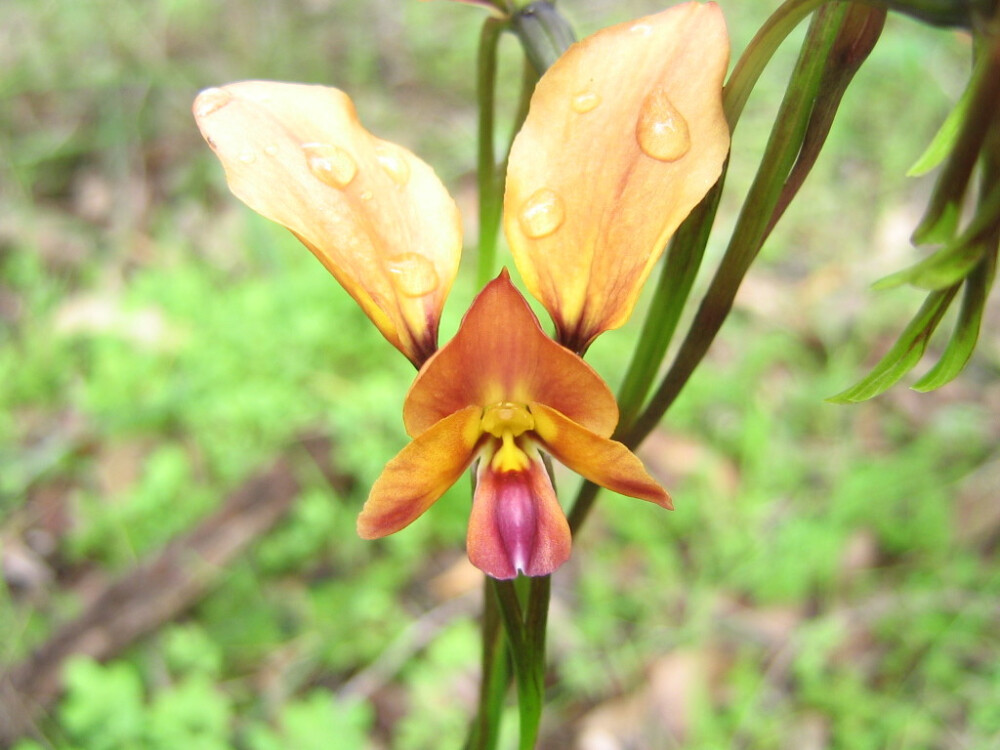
503 392
624 136
374 214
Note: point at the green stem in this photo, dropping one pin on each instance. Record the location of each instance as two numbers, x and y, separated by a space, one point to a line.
487 175
759 52
688 246
673 288
754 221
495 677
687 249
942 217
536 622
529 77
544 33
529 668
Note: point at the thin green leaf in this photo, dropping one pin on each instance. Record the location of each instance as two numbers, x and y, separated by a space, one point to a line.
941 219
939 226
948 266
953 263
944 140
905 353
963 341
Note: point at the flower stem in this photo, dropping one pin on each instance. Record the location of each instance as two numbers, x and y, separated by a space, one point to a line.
488 178
687 248
755 219
526 639
684 256
759 52
485 732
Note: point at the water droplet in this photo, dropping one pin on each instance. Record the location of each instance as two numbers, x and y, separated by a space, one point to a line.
585 101
642 28
367 195
271 150
662 131
393 162
413 274
210 101
330 164
542 214
248 157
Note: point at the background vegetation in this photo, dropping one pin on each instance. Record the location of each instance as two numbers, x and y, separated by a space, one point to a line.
829 578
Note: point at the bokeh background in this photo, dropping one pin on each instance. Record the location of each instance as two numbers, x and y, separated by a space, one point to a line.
192 411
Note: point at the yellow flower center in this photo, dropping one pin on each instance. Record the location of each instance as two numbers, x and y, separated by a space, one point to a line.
508 422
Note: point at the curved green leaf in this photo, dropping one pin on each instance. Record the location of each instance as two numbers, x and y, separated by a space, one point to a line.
963 341
904 354
944 140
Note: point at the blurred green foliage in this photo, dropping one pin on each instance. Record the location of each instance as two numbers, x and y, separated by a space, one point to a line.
158 344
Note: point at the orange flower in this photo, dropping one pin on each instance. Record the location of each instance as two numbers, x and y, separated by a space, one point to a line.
625 134
501 391
374 214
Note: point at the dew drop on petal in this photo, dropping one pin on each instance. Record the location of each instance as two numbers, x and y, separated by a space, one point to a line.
211 101
662 131
641 28
412 274
271 150
585 101
366 195
542 214
330 164
393 162
248 157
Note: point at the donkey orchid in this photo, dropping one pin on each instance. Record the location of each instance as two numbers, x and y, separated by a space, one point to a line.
624 135
501 390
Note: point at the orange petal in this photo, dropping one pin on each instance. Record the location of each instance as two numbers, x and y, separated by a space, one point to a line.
516 523
602 461
373 213
624 136
500 353
420 474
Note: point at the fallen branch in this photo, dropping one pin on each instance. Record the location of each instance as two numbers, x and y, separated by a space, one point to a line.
155 592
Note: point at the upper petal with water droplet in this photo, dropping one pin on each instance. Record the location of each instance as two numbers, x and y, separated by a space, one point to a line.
373 213
626 170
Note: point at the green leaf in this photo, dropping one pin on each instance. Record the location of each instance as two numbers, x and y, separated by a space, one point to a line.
944 140
939 225
905 353
954 262
941 219
963 341
948 266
